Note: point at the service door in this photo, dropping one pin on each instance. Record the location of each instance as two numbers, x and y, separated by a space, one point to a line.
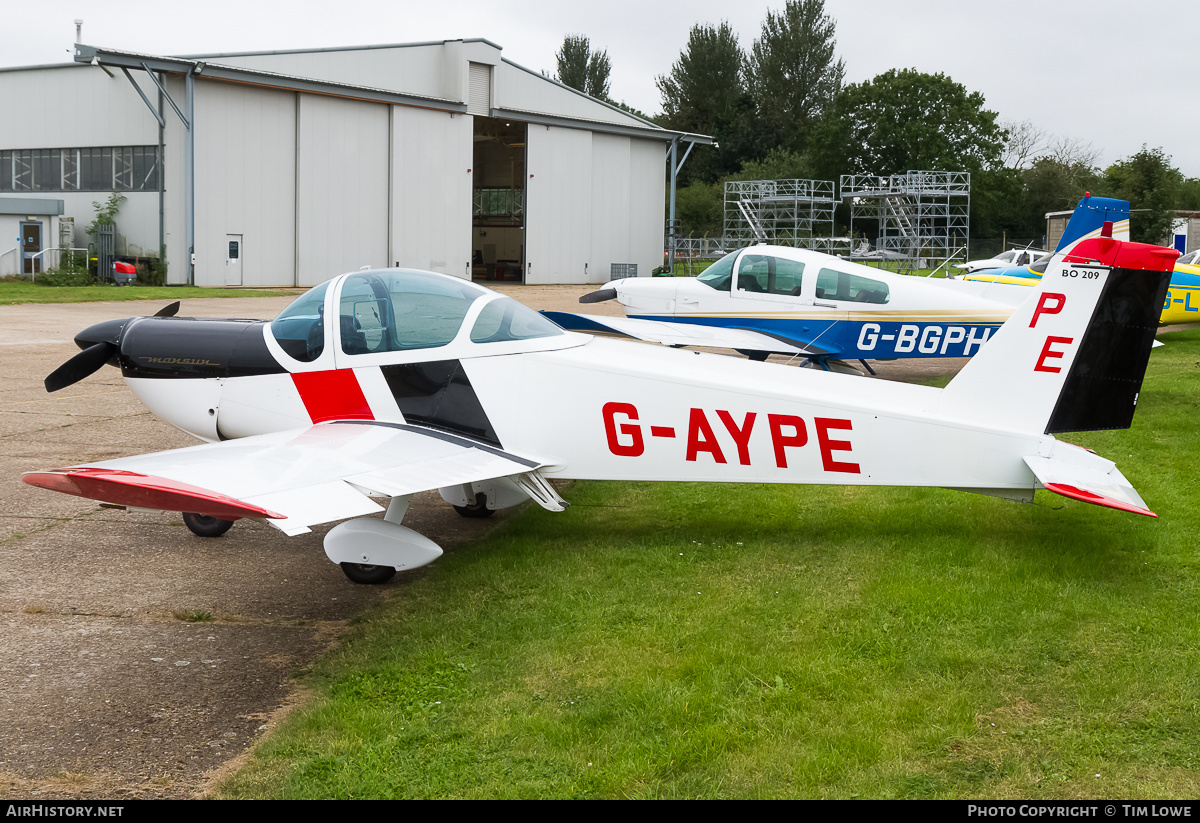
233 260
31 244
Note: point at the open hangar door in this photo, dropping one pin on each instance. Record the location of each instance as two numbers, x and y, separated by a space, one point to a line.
498 200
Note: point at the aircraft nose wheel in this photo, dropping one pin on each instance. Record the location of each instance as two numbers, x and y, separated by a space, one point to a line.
204 526
367 573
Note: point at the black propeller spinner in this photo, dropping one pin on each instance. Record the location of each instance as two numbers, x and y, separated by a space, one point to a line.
100 343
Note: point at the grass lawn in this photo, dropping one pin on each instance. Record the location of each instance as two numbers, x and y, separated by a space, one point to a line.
662 641
26 292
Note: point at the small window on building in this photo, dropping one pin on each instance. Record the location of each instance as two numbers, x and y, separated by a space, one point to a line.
121 168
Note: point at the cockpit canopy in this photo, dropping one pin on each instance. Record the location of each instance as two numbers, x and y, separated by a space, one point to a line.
401 310
766 270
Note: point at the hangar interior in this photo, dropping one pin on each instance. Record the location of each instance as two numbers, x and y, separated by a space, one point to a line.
498 200
285 168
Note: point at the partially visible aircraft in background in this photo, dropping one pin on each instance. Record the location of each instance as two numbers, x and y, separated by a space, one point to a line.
1012 257
765 300
1182 301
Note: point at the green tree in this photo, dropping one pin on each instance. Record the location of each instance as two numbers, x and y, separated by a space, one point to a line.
792 73
1189 194
1054 182
779 164
106 212
706 81
903 120
700 209
583 69
704 93
1152 186
997 203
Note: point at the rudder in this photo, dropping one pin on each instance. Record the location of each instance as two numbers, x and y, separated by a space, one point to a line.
1072 356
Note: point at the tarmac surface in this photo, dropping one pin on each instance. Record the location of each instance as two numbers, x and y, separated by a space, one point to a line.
137 660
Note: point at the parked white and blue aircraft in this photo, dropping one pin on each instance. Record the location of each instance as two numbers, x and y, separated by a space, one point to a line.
765 300
376 385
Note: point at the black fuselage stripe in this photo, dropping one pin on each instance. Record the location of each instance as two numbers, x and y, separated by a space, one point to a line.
439 394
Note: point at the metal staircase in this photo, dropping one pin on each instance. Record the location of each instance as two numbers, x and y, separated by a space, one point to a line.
921 218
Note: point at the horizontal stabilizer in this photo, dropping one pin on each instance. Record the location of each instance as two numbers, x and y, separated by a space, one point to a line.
1077 473
681 334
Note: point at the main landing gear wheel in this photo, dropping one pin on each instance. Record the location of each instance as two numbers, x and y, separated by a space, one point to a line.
367 573
205 526
477 509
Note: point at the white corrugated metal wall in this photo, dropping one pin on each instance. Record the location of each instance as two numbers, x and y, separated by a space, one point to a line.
647 204
592 200
341 190
245 182
303 178
558 205
431 190
611 196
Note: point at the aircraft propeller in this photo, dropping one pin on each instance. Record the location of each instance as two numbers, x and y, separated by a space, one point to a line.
100 343
599 296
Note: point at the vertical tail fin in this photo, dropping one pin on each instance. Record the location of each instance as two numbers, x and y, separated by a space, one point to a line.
1087 222
1072 356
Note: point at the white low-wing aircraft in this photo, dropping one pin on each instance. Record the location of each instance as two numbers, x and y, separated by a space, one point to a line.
765 300
379 384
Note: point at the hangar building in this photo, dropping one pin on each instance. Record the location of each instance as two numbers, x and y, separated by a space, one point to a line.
286 168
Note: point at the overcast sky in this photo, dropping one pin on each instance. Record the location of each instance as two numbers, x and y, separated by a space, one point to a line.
1116 78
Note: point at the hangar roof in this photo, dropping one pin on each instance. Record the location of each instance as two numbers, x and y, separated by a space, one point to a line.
427 75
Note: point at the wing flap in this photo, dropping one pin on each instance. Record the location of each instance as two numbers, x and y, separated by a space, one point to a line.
451 470
306 506
296 478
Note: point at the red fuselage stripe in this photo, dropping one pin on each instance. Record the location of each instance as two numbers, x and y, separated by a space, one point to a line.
332 395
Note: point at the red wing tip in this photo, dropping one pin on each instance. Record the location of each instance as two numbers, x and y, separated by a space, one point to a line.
1086 496
125 488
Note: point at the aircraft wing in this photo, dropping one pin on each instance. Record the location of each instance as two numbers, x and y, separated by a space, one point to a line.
683 334
299 478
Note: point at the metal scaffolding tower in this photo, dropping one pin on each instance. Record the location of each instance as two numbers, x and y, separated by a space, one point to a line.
921 216
782 212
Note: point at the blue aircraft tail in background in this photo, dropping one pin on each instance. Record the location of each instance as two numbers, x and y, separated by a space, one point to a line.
1089 218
